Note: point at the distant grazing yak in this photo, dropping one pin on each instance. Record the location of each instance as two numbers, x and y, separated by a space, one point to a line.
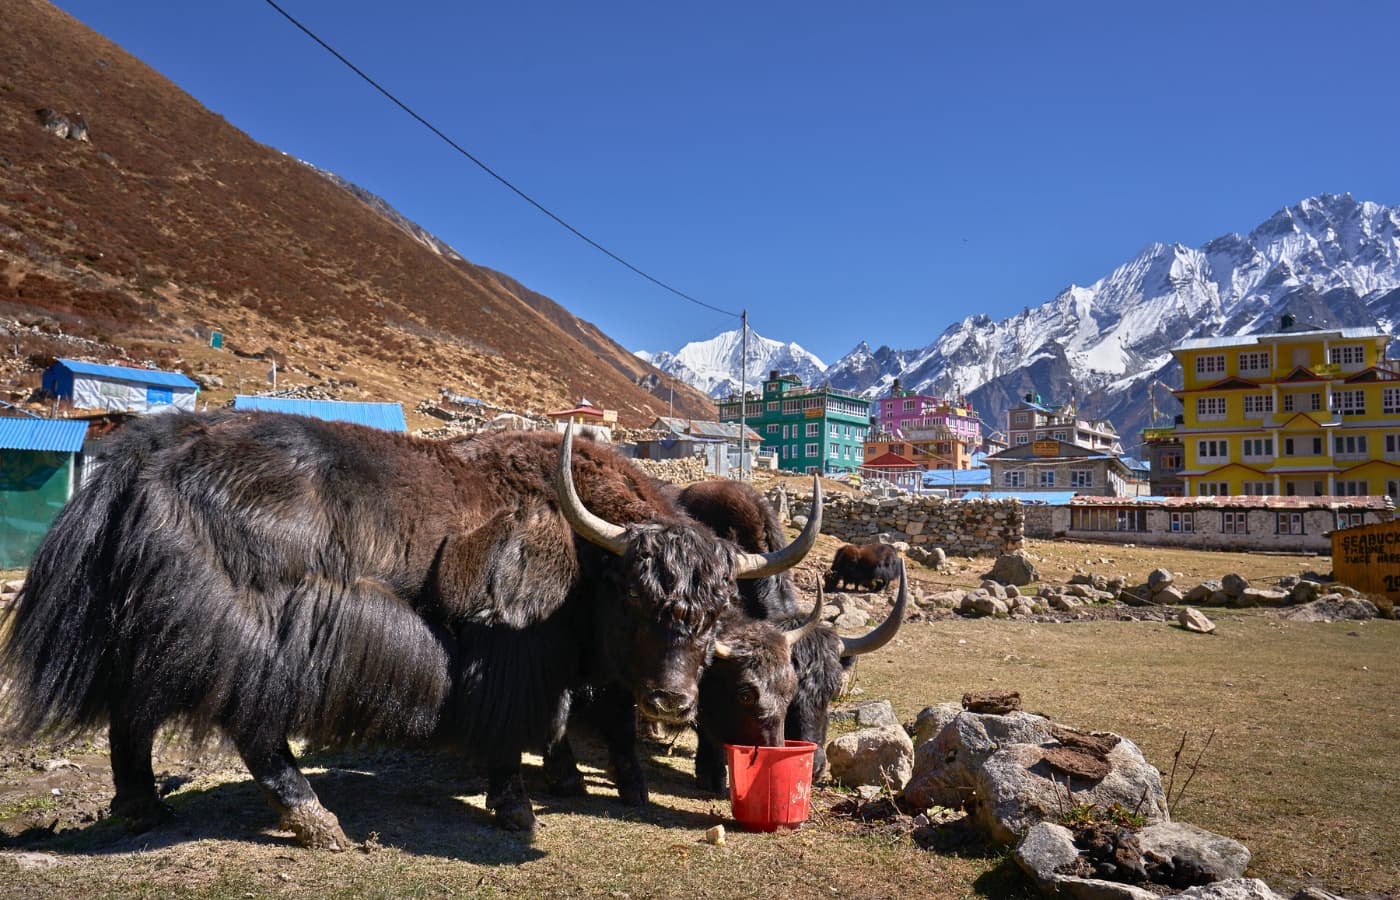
269 575
870 566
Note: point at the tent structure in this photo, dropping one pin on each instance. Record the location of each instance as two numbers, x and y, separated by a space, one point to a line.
37 476
119 388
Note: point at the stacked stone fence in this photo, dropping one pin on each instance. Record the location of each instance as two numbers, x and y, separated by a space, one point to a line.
960 527
1040 521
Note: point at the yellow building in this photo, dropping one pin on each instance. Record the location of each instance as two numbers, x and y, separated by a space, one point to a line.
1296 413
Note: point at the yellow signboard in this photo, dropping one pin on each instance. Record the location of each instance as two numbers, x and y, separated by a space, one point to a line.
813 413
1045 448
1367 558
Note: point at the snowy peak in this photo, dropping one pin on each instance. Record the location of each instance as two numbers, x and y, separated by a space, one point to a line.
713 366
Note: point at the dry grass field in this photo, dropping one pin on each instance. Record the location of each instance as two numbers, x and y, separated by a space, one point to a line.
1300 769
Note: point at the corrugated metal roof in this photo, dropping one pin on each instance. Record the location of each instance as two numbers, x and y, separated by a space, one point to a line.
957 477
388 416
1242 501
1051 498
1240 340
128 373
42 434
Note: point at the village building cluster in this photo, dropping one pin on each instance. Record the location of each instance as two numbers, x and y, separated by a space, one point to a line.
1282 438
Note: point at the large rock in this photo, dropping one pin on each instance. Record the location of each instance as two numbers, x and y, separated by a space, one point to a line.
875 756
1010 772
931 720
1048 848
1158 579
864 714
1195 620
1234 585
1235 889
1180 853
1014 568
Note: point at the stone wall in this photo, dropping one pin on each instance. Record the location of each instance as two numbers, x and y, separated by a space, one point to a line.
1040 521
960 527
676 471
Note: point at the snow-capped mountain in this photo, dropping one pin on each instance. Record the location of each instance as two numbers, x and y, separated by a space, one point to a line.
713 365
1330 261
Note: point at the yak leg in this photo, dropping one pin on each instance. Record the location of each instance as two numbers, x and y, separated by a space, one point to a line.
275 770
561 770
616 714
505 792
131 740
711 769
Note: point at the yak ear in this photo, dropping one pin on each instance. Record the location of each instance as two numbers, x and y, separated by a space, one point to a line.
761 565
884 632
807 627
594 529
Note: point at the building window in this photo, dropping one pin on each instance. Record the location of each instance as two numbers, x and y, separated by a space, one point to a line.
1183 522
1014 478
1390 400
1352 489
1258 448
772 406
1290 523
1392 445
1288 402
1234 522
1213 449
1349 446
1170 461
1020 418
771 429
811 450
1350 519
1255 405
1255 362
1023 439
1210 365
1081 478
792 406
908 405
1302 446
1392 489
814 429
1349 403
1213 489
1047 478
1061 436
1095 518
1210 408
1347 355
1258 488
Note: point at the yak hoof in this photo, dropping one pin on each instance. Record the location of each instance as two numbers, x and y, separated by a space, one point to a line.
316 827
141 814
515 815
568 786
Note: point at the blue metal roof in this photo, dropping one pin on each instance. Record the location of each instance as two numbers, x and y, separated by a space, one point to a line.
1053 498
957 477
128 373
42 434
388 416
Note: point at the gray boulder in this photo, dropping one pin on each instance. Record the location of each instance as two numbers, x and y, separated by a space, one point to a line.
1191 853
1195 620
1014 568
865 714
874 756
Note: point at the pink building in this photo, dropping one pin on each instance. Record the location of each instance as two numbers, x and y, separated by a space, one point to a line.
922 417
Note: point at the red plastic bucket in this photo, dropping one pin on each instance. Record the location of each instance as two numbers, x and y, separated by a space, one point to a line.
769 787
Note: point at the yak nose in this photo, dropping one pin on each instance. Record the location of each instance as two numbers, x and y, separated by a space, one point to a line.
668 706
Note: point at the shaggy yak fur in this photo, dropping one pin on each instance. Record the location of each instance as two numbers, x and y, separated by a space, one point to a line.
869 566
269 575
768 687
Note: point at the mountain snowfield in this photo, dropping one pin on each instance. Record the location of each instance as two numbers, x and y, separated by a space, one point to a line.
1330 260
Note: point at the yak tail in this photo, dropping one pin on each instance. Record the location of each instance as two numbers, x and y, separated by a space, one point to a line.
55 655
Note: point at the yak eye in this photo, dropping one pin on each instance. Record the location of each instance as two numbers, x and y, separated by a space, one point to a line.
748 695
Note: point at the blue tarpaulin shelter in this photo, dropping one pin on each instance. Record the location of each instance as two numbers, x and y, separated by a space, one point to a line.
119 388
388 416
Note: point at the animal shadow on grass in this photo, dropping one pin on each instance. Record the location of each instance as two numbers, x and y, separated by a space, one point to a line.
420 801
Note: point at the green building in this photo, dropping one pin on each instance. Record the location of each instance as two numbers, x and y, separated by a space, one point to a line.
810 429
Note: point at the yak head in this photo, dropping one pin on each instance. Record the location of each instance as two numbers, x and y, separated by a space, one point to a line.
677 579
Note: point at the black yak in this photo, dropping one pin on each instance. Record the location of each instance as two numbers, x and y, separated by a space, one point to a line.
870 566
268 575
775 669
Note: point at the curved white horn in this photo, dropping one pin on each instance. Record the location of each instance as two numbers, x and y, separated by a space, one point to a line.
884 632
594 529
761 565
806 628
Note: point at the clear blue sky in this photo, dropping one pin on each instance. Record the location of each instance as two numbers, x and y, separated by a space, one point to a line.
843 171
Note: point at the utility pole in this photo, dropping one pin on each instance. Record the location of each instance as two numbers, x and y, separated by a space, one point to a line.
744 471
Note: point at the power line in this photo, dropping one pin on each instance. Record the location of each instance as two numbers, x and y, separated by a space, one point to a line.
487 169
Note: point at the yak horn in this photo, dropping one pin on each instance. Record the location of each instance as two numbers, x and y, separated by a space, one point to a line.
808 626
723 650
594 529
761 565
884 632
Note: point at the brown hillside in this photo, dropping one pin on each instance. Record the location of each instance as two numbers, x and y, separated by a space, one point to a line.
170 223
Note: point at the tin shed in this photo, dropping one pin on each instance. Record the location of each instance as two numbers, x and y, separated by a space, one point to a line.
387 416
37 459
119 388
